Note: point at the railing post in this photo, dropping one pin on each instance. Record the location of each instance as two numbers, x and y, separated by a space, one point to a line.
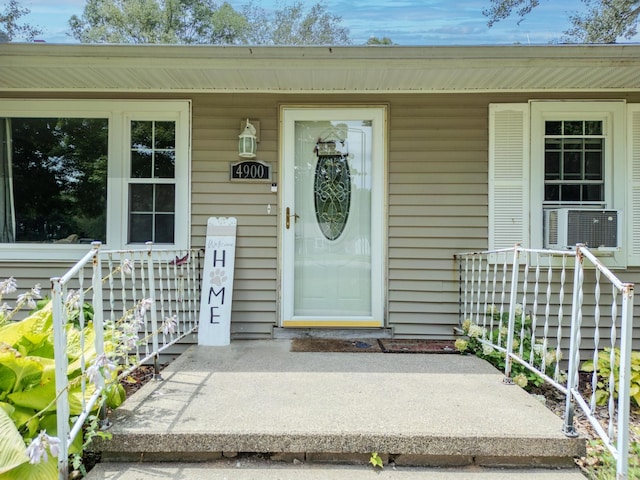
61 366
154 313
626 331
98 318
512 314
569 428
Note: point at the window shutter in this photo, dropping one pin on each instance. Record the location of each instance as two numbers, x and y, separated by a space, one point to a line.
508 175
632 210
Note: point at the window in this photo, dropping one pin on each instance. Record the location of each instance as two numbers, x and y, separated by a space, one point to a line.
546 155
152 190
54 179
73 172
574 163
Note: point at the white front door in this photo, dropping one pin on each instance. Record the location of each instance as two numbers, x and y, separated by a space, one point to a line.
333 216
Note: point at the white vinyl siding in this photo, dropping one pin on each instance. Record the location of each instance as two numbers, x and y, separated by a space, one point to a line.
438 196
217 122
508 175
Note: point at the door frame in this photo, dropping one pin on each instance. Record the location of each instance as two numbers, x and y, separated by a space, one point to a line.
288 115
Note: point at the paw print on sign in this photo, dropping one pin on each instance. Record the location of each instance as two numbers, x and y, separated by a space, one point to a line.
218 277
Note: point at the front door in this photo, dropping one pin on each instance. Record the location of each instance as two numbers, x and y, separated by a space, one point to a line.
333 217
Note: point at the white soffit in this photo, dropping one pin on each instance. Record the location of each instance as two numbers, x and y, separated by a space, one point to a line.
161 68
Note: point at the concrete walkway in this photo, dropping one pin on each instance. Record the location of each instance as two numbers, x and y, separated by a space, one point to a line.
258 396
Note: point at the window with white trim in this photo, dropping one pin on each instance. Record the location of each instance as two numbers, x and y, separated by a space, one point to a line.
76 171
152 188
574 161
550 155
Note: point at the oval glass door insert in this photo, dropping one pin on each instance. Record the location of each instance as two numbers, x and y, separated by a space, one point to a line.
332 194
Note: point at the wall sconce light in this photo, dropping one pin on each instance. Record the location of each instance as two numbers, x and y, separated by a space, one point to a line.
247 141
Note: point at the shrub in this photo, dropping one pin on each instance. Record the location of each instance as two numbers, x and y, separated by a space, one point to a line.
604 372
480 341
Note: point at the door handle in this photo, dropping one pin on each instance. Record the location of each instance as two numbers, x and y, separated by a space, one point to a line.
288 217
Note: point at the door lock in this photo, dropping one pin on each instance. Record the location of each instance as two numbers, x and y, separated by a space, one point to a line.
288 216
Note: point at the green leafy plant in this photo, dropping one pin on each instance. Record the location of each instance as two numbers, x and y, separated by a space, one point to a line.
480 339
604 373
376 461
28 424
600 464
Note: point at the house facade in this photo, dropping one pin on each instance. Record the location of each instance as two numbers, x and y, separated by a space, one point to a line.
374 166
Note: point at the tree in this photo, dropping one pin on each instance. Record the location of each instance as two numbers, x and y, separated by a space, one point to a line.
158 21
604 22
380 41
9 28
204 22
292 25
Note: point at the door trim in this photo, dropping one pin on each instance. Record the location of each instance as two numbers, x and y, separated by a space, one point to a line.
289 114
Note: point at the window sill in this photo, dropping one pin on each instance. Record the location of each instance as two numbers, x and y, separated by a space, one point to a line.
43 252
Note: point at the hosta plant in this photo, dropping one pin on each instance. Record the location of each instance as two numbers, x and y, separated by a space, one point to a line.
28 425
604 373
480 340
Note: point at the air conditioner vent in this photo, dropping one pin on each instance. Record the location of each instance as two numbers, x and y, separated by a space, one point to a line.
552 229
597 229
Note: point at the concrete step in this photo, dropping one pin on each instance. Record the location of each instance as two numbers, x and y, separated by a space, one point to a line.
259 397
265 470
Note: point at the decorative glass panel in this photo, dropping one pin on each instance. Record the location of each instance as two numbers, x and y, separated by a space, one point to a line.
332 194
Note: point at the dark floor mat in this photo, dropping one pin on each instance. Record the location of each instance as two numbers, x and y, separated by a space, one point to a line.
390 345
334 345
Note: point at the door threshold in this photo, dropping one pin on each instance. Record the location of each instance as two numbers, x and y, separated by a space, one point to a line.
287 333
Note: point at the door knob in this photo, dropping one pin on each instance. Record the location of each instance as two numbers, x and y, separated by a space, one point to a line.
288 217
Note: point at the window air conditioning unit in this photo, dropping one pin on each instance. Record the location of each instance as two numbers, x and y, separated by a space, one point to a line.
597 229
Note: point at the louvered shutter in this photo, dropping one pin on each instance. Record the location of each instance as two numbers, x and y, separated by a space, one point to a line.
508 175
632 212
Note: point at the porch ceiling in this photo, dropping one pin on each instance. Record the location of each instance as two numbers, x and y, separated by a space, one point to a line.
161 68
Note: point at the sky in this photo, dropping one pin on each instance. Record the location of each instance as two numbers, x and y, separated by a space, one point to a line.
406 22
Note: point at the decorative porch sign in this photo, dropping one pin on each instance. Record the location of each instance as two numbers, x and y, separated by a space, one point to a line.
217 282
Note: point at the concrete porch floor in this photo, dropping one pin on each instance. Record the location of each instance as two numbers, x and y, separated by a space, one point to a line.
416 410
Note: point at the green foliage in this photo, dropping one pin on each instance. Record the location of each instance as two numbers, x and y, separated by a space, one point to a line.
205 22
599 463
157 21
12 453
543 358
605 21
9 27
380 41
28 392
376 461
604 373
294 25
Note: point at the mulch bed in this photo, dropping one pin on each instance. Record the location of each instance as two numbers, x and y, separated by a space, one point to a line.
386 345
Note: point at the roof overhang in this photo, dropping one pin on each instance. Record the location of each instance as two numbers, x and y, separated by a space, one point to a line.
391 69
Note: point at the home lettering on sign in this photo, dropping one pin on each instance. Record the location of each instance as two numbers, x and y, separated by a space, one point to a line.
217 282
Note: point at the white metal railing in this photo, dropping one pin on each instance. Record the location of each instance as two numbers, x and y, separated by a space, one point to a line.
562 315
147 301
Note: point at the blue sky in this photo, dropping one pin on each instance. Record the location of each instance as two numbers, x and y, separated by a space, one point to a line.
406 22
